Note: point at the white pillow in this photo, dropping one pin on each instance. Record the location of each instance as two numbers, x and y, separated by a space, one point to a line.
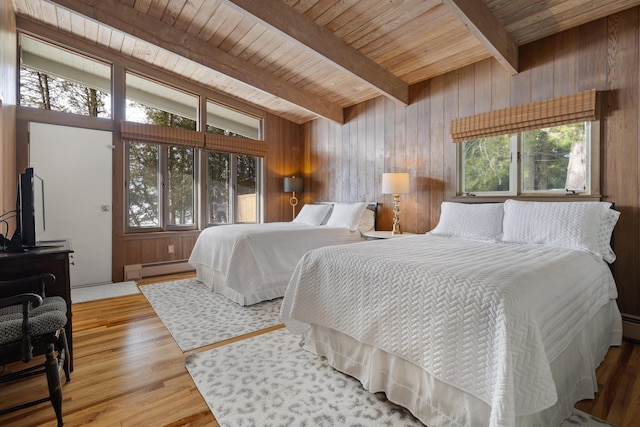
604 235
346 215
368 221
474 221
573 225
312 214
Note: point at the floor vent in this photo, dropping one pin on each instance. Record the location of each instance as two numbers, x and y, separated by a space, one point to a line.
139 271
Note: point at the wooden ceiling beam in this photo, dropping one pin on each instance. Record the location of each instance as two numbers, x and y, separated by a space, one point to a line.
128 20
484 25
303 31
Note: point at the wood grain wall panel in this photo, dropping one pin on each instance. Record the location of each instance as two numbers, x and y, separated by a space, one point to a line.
423 168
8 66
621 184
604 55
133 250
284 158
500 92
565 63
592 56
521 82
379 154
436 183
482 75
542 70
449 149
466 91
409 201
399 160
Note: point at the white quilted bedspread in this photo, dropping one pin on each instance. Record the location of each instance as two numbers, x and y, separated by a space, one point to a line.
253 260
484 317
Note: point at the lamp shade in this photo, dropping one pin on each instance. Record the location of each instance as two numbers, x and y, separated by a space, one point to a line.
395 183
293 184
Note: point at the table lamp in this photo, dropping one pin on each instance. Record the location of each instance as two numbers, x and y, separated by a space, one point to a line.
396 184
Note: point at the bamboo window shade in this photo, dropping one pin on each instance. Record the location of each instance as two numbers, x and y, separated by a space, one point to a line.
234 144
142 132
573 108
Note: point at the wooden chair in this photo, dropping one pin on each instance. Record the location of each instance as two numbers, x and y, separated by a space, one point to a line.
32 324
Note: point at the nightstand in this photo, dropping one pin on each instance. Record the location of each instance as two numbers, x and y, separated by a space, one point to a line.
376 235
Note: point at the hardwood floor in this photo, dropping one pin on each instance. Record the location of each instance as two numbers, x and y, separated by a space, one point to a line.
130 372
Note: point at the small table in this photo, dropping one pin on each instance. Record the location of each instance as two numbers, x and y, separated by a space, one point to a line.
376 235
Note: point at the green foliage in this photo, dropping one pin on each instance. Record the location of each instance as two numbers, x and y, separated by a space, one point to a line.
218 177
144 197
546 154
545 164
486 164
181 189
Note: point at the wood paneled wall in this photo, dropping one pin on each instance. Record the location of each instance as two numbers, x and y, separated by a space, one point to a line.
8 57
346 162
284 158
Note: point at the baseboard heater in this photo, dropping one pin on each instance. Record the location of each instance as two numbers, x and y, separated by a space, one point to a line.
139 271
631 327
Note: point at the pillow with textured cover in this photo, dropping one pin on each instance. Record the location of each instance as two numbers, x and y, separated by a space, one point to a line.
312 214
473 221
575 225
346 215
604 235
368 221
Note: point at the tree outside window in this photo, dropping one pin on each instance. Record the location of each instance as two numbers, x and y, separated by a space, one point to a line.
551 160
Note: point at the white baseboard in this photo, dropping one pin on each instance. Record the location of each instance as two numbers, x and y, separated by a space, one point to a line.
631 327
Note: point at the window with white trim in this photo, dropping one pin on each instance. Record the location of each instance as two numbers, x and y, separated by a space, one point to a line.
550 161
548 147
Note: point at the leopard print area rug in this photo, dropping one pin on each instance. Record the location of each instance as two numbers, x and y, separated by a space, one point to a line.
196 317
268 380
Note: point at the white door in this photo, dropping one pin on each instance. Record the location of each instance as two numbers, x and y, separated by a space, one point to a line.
75 165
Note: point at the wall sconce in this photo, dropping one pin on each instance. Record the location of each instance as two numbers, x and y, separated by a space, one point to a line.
396 184
291 185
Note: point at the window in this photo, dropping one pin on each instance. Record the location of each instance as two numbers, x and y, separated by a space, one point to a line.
486 165
232 188
556 159
233 180
181 186
57 79
158 104
227 121
176 174
553 160
161 187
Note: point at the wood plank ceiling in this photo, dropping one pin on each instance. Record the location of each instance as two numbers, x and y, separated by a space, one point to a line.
303 59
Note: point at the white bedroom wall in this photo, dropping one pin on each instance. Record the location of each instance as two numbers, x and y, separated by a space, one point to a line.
75 165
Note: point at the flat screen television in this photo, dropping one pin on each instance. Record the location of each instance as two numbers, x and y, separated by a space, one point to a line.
29 212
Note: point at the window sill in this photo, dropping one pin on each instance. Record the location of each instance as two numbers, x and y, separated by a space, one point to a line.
527 197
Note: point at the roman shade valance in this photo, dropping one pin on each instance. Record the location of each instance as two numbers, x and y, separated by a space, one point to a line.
142 132
536 115
234 144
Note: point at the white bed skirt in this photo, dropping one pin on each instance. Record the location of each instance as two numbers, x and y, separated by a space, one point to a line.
438 404
270 288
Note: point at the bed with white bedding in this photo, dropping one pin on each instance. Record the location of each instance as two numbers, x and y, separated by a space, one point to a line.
249 263
463 328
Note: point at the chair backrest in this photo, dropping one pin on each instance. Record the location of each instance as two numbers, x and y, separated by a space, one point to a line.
27 315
